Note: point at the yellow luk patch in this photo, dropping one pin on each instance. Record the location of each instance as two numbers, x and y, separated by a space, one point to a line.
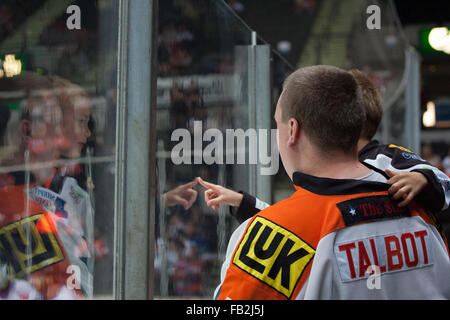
273 255
401 148
28 249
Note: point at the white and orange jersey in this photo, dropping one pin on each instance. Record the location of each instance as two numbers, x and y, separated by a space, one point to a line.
336 239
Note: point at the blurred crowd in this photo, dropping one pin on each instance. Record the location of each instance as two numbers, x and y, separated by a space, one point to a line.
186 105
440 161
188 43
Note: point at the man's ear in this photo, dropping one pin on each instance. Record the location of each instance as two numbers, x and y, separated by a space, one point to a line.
25 130
294 131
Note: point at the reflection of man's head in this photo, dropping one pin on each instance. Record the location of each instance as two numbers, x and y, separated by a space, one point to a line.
38 124
75 107
51 119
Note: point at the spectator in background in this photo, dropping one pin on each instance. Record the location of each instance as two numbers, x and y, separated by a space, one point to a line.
178 107
446 163
184 35
4 118
236 6
6 20
429 155
305 5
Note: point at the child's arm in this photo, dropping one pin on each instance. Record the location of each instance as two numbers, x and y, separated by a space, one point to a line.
247 205
183 195
216 195
434 195
406 185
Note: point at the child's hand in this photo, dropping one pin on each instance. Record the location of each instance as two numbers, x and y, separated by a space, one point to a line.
183 195
216 195
405 185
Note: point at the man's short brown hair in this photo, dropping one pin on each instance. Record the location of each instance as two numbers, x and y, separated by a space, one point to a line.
327 103
371 103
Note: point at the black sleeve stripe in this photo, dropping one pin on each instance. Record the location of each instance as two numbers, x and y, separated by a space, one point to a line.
246 209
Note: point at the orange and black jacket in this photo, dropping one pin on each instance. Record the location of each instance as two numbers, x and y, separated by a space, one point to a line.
287 250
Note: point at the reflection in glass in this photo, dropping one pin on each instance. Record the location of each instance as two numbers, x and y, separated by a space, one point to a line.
57 96
202 91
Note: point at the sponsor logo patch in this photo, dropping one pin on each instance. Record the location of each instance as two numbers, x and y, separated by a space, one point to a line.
76 194
273 255
49 200
409 156
370 208
391 253
29 248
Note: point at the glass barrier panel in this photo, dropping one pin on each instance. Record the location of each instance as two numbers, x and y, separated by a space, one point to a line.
57 144
202 113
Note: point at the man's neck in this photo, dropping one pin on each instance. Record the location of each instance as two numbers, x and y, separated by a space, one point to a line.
333 165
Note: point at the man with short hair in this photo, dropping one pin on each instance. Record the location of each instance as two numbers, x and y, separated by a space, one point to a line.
339 226
409 175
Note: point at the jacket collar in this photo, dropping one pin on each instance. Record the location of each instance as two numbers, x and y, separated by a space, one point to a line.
334 187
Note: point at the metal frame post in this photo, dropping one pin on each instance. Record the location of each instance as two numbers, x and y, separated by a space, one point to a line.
259 111
263 116
135 151
412 100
